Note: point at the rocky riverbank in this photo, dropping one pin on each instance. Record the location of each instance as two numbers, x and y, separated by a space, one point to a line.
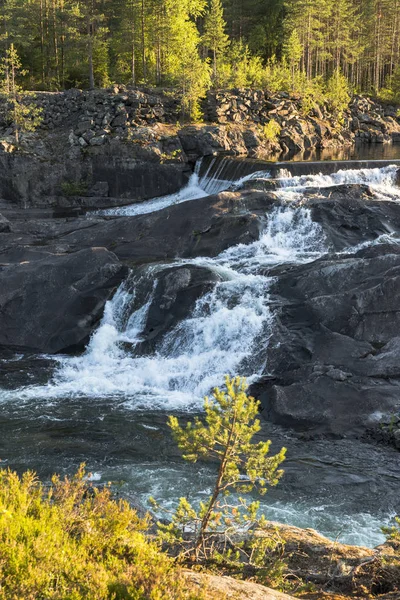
109 147
318 568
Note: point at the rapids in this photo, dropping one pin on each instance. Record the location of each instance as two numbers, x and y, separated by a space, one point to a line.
111 386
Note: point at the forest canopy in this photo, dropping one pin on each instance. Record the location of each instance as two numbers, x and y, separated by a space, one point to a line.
192 45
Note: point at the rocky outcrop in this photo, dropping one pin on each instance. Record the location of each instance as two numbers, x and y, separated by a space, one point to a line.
52 304
47 172
101 111
364 120
227 587
316 568
373 122
212 225
333 356
234 140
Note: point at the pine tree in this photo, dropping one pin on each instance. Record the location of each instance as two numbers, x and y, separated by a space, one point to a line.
215 38
17 109
293 51
226 437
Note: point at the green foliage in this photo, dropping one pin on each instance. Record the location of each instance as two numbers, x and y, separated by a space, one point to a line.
74 188
391 92
215 38
337 93
293 51
393 532
66 43
17 108
271 131
73 541
225 437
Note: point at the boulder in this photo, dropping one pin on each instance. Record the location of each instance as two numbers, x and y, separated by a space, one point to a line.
4 224
54 303
334 353
227 587
174 297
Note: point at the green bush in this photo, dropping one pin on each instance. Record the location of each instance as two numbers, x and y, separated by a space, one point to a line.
74 188
72 541
271 131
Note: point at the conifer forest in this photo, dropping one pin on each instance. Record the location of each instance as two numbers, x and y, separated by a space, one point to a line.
192 45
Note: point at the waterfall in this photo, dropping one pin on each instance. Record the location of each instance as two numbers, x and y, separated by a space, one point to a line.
382 181
217 175
227 332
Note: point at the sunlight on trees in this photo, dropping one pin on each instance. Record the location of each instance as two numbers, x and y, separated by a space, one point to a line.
225 436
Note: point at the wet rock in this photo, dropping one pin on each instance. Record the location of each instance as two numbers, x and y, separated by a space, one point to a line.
334 353
100 188
4 224
174 298
60 302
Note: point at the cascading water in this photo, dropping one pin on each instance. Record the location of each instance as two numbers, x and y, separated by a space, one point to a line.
198 187
219 175
227 333
382 182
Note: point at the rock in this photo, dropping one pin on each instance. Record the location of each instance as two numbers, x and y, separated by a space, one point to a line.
174 297
4 224
120 120
131 171
227 587
98 140
100 188
212 225
60 302
333 355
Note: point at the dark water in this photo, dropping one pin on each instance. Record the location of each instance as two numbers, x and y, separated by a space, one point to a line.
357 152
345 489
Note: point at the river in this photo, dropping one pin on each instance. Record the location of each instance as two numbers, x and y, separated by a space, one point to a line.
108 406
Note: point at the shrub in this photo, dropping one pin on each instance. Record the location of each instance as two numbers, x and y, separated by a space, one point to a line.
74 188
337 93
72 541
272 130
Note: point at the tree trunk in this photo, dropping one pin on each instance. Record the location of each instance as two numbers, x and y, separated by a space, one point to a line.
90 54
144 69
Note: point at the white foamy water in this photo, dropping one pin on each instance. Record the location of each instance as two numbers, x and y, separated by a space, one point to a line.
227 332
197 187
382 181
214 180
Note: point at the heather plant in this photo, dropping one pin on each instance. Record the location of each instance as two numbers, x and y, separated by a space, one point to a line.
73 541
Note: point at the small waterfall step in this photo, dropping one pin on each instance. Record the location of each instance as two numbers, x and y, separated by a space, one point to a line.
217 174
